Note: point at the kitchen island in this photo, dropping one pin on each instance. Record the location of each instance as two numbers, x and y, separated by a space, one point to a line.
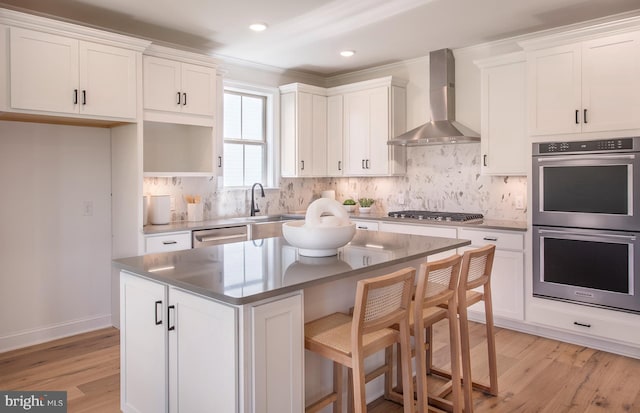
221 328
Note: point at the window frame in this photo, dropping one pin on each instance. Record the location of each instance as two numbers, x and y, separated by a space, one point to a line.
271 164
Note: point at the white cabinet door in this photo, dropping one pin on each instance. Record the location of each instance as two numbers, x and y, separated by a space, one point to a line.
303 134
44 71
378 159
555 90
166 242
611 83
143 345
503 119
198 87
278 356
203 349
335 164
162 79
107 80
356 132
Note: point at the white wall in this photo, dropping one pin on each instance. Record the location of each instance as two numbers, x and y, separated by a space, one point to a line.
55 260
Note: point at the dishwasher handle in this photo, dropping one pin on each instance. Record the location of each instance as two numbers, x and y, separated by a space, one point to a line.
215 236
220 238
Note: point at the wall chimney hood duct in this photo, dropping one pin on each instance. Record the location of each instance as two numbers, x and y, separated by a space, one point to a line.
442 128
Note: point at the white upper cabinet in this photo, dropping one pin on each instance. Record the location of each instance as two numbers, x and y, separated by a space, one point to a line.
54 75
179 87
335 115
371 116
303 131
503 115
589 86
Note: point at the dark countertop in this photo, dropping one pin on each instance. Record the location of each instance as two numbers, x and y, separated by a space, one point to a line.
245 272
239 221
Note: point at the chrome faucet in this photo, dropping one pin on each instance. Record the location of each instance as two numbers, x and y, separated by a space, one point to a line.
254 206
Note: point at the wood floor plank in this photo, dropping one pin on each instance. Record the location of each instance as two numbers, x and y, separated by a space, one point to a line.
536 375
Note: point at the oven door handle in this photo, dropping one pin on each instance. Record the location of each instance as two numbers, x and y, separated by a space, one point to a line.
582 234
585 158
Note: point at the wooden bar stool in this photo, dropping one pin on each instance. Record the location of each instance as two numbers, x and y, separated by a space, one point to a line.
380 304
476 272
437 284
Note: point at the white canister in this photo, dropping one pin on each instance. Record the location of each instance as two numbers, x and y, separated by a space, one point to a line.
194 212
160 209
331 194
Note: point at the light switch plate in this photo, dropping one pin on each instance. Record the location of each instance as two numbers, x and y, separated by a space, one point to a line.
520 201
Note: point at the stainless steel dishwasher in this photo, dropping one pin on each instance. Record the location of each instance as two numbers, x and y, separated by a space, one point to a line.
215 236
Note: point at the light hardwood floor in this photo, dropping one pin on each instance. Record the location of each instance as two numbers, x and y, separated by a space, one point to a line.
535 374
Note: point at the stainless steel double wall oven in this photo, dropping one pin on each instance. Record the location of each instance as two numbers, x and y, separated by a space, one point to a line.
586 222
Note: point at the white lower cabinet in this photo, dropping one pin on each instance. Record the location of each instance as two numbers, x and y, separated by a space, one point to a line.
166 242
181 352
178 350
507 275
278 356
144 351
202 354
367 225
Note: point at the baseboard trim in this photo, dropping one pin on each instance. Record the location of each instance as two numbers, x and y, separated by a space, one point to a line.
52 332
609 346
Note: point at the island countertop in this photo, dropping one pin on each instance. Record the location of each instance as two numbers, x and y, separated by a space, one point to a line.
245 272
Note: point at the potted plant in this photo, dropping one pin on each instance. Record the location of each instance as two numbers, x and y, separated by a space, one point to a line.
365 204
349 204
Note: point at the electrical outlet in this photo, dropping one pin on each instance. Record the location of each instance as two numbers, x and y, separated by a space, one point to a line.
519 201
87 208
172 203
400 199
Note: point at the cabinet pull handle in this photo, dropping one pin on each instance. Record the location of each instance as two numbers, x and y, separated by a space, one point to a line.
184 95
484 160
584 116
169 326
219 161
158 322
339 165
582 324
169 242
367 164
75 96
577 114
490 238
84 97
363 164
302 168
179 100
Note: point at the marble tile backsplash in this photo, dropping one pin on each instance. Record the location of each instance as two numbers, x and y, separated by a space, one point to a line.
439 178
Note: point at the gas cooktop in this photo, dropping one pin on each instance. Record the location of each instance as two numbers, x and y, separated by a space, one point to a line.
438 216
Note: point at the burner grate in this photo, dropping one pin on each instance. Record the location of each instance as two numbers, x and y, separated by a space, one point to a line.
437 216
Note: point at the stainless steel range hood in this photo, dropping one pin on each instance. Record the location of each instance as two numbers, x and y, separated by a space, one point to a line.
442 128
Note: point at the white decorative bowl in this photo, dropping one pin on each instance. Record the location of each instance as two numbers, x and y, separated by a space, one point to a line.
317 241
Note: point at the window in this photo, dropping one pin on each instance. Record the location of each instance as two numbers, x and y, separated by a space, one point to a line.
245 138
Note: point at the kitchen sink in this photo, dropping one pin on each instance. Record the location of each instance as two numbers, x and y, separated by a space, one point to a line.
266 228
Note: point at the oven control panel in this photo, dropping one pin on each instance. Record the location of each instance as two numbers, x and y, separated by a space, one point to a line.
620 144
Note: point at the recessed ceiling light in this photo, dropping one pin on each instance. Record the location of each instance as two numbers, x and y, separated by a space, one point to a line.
258 27
347 53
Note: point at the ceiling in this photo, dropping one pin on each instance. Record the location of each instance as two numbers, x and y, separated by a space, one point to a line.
307 35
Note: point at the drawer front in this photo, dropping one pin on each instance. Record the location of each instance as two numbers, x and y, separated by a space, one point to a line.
502 240
425 230
174 241
368 225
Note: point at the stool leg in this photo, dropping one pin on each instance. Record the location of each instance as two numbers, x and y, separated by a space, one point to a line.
491 341
388 374
350 390
454 345
429 353
337 387
421 369
407 373
359 399
466 359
